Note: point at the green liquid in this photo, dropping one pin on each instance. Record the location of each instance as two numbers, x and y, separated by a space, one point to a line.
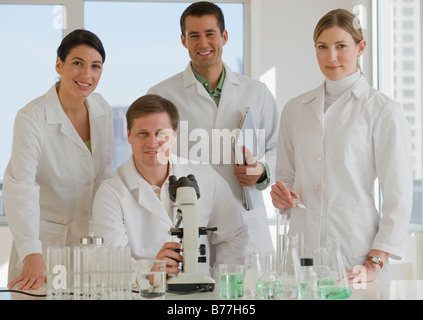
270 290
231 286
333 293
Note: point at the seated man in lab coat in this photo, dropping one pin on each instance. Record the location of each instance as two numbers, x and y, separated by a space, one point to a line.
133 207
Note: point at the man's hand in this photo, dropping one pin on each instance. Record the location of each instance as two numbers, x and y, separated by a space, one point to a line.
168 253
249 174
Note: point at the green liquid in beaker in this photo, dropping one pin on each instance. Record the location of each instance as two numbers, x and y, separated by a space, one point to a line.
333 293
231 285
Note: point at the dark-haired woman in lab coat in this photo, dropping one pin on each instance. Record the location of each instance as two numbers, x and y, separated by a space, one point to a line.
63 148
334 142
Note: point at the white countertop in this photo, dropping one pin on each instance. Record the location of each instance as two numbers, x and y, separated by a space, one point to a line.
393 290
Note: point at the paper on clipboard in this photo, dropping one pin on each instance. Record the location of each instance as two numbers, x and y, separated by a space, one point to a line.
246 136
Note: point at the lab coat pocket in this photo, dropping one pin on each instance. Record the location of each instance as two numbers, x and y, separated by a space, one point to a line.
52 234
356 228
348 143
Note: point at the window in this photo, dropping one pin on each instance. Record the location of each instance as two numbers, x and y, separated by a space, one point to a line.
27 66
408 73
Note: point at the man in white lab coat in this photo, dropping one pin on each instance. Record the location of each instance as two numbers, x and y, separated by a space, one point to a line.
133 207
211 97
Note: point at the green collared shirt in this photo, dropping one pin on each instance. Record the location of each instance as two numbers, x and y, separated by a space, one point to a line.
215 95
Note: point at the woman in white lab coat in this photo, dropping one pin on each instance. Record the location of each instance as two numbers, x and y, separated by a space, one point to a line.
334 141
63 148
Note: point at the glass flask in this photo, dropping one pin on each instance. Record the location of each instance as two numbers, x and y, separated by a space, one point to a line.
270 285
307 282
252 274
334 284
290 267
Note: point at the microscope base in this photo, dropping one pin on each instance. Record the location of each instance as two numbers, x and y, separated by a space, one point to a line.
190 283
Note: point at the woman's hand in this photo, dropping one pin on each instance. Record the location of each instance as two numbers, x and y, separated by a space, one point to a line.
282 196
371 269
33 273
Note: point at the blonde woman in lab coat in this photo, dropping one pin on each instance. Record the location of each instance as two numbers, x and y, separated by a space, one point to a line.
334 142
63 148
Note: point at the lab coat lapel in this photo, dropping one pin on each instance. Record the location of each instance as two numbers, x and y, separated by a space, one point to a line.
347 108
96 114
191 83
56 116
147 199
201 105
316 99
229 88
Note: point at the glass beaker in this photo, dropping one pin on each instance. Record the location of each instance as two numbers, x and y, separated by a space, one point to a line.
151 278
335 283
270 286
231 281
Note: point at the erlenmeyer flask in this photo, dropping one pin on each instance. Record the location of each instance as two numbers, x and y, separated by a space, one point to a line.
290 267
270 286
252 275
335 284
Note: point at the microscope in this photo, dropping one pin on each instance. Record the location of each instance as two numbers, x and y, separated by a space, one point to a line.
185 192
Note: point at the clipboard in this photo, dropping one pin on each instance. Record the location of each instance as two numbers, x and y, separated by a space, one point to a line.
246 136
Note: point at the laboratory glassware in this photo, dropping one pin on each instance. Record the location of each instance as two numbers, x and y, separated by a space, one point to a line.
282 228
335 285
270 286
290 267
252 274
307 282
58 273
151 278
231 281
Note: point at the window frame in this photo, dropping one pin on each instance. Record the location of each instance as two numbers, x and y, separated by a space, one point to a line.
378 78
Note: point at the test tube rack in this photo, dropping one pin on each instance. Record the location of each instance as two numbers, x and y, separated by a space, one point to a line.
89 273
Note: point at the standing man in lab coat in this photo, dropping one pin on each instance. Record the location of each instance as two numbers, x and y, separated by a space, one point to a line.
133 207
211 97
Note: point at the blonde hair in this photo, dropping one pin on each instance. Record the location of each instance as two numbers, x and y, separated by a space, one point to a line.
340 18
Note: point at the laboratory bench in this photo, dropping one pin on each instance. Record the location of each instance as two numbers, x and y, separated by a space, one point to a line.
391 290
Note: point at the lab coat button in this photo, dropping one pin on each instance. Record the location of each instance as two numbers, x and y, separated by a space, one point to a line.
316 218
319 159
317 188
315 251
85 213
88 183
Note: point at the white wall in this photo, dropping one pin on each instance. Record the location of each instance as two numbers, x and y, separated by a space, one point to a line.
282 43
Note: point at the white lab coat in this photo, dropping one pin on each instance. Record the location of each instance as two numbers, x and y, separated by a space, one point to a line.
126 211
51 178
197 108
332 160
